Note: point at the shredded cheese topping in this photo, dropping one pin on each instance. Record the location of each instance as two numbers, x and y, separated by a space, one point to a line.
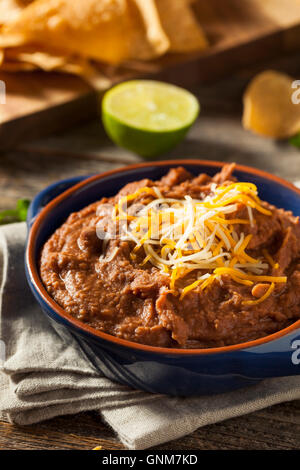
179 236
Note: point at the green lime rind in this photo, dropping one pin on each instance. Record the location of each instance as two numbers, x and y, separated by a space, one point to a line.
144 143
147 142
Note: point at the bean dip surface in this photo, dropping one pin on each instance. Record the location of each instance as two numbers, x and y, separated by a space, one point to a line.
150 291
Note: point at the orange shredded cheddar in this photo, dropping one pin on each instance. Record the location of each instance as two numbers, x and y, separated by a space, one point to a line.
262 298
179 236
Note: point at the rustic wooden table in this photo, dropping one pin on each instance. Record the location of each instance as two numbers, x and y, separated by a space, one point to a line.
217 135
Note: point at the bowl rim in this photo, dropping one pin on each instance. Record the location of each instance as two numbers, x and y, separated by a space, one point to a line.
73 322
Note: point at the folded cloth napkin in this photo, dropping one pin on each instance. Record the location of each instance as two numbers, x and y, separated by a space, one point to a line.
44 373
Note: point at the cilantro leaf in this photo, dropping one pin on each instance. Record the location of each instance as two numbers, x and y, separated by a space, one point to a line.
295 140
18 214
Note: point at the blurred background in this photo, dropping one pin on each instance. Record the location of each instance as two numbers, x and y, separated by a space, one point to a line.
55 66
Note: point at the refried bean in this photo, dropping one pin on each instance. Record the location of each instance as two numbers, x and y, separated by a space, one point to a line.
102 285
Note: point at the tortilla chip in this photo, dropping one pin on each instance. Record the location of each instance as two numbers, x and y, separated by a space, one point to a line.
72 26
10 10
154 31
181 26
69 35
18 60
42 60
104 30
13 66
268 106
37 58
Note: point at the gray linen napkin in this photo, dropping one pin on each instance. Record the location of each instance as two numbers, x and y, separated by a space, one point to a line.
46 374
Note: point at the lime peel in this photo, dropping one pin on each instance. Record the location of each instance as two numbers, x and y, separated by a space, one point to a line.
148 117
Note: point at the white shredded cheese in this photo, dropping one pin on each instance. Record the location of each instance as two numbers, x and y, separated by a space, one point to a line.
183 235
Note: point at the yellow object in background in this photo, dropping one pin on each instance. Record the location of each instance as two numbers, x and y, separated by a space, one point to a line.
268 106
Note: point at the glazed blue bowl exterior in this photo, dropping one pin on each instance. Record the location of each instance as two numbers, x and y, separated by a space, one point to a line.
161 370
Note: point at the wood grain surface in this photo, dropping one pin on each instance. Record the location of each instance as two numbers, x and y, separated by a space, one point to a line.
217 135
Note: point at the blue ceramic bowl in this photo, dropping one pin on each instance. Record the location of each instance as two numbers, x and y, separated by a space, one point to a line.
161 370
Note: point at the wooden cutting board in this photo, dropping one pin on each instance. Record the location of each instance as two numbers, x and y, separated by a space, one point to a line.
240 33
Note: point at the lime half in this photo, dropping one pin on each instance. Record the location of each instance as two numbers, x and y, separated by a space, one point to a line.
148 117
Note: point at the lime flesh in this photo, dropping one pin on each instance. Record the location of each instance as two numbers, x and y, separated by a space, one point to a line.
148 117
